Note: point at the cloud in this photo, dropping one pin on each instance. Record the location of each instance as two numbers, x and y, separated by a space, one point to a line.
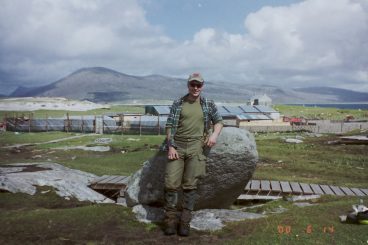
308 43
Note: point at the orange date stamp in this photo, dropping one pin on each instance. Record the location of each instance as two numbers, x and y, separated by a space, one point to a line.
287 229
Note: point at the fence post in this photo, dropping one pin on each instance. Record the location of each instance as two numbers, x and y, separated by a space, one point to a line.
5 122
94 124
140 125
82 124
47 122
15 121
30 121
121 123
67 122
158 124
342 125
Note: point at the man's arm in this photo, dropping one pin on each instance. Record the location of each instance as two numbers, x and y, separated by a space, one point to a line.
172 153
216 132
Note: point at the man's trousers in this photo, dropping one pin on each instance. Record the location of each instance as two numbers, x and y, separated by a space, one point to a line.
189 168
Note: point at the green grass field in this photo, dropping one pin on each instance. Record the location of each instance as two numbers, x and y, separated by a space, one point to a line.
62 113
46 218
320 113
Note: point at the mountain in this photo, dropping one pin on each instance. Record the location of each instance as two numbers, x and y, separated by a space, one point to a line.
99 84
340 94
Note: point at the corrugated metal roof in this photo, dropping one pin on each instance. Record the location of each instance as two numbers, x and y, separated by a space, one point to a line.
248 108
223 111
87 117
263 108
246 116
162 109
234 110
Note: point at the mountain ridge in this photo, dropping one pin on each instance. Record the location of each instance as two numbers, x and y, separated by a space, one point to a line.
100 84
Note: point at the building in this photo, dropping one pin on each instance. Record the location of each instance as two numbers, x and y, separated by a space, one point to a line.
261 100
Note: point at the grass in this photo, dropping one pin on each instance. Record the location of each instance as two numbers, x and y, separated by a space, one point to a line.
46 218
70 222
313 161
125 157
317 224
319 112
62 113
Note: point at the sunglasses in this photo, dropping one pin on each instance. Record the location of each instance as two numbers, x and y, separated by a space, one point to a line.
198 85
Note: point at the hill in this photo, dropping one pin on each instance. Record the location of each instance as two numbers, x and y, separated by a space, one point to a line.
99 84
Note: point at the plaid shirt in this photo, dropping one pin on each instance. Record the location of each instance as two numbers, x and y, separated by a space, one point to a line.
210 114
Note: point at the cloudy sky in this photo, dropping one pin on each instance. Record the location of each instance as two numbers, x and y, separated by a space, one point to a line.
288 43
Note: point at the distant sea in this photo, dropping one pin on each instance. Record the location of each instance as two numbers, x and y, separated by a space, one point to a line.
339 106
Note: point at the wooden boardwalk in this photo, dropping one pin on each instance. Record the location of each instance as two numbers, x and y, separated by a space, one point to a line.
110 182
281 188
270 188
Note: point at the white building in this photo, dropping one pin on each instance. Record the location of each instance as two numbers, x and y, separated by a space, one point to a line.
261 100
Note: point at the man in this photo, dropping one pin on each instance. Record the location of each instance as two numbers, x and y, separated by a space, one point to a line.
187 133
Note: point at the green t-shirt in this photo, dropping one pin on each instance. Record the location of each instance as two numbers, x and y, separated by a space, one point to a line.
191 121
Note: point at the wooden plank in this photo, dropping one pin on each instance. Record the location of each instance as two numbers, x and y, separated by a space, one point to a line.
285 186
108 180
327 190
117 180
347 191
316 189
256 185
124 180
365 191
357 192
275 186
337 190
100 178
265 185
247 187
306 189
296 188
107 186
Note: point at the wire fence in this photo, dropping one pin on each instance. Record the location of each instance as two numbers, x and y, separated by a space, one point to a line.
120 124
137 124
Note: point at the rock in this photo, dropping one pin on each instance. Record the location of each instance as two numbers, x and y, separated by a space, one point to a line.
303 204
85 148
121 201
302 198
205 219
294 141
103 140
148 214
66 182
230 165
214 219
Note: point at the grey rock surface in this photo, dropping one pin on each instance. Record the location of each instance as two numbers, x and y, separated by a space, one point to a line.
84 148
293 141
230 165
303 204
24 177
215 219
205 219
302 198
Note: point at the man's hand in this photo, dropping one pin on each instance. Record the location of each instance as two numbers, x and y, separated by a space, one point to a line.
172 154
212 140
216 132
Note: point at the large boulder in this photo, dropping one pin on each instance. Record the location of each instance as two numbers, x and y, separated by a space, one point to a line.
230 165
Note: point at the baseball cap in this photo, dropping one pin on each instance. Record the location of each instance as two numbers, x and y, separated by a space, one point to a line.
196 77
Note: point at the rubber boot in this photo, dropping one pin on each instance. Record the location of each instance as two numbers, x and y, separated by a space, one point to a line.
189 198
171 222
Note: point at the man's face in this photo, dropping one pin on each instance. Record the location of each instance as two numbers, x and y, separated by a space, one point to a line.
195 88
